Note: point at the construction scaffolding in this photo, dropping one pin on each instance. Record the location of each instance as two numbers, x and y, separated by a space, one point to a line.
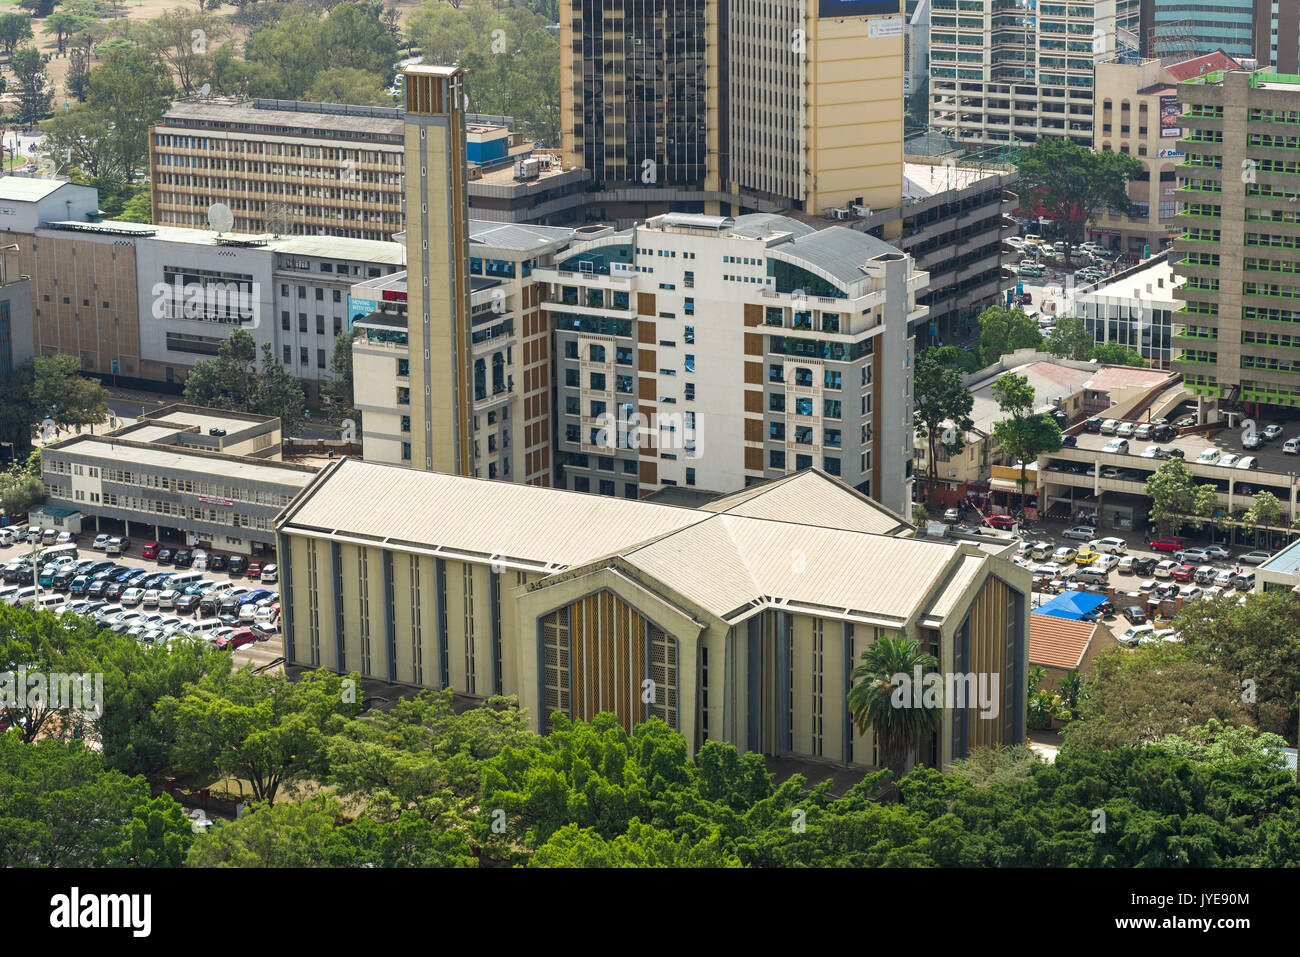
1172 42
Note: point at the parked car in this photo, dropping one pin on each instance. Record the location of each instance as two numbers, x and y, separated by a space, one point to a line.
1116 445
1183 573
182 557
1257 557
270 574
1093 424
101 541
1245 581
1166 433
1229 461
1272 432
1004 522
1209 456
117 546
1168 544
1154 452
150 550
1291 446
1108 426
1252 440
187 603
1144 565
218 563
1064 554
238 565
167 599
1205 575
1217 553
1131 636
1041 550
236 639
1189 593
131 597
255 568
1126 565
1165 569
1192 556
1082 533
1135 614
1086 557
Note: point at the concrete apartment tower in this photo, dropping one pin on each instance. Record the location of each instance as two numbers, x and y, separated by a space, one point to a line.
437 240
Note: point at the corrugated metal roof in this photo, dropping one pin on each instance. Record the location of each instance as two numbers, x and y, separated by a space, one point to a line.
728 562
811 497
524 522
127 454
961 579
725 563
840 251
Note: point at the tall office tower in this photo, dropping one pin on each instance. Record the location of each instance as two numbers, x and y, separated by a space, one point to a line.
1237 27
437 239
1277 34
1009 71
639 95
1239 252
814 105
721 105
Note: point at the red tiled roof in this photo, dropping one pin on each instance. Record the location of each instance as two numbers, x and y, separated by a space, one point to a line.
1209 63
1058 642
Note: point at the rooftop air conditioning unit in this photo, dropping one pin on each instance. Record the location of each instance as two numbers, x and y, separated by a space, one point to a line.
862 211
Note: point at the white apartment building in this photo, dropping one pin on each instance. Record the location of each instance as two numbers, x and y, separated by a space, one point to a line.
1004 72
711 352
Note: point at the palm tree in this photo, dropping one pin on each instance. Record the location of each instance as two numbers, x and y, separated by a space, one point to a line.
898 728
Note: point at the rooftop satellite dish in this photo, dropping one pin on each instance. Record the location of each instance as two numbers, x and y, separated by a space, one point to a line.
205 90
220 217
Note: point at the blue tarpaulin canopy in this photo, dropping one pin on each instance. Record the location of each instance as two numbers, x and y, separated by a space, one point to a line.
1075 605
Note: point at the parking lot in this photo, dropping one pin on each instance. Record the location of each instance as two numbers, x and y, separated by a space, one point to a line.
1122 584
258 654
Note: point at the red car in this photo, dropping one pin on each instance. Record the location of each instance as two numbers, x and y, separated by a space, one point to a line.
236 639
150 550
1169 544
1004 522
254 570
1183 573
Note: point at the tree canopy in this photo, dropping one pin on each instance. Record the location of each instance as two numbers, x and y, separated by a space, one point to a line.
233 381
943 407
1005 330
1072 184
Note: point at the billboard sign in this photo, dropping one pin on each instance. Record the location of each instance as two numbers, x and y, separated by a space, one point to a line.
1169 115
860 8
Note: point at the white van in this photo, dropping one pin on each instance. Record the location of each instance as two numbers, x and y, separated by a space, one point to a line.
204 626
24 596
7 537
51 601
181 580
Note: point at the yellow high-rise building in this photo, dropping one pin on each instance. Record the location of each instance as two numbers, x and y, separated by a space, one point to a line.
437 240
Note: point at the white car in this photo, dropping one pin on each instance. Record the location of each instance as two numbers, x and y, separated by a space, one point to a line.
1116 445
167 599
65 538
1111 546
1229 460
1064 554
1041 550
1081 533
1109 426
1048 569
1209 456
1224 578
101 541
1126 429
131 597
1131 636
1165 568
1189 593
1147 587
1106 563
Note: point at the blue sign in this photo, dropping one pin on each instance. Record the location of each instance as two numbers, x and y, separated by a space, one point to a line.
115 365
360 308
